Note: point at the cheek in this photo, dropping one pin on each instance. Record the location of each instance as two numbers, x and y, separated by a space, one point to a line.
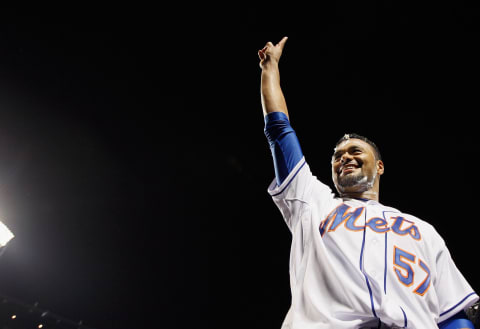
334 173
335 168
371 169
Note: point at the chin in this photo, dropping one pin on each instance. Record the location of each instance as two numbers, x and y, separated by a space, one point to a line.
354 184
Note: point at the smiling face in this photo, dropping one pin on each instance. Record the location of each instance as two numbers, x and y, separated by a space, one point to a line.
355 167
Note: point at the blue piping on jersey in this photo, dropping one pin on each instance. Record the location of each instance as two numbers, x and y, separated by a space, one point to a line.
385 268
453 307
291 179
362 199
372 303
405 318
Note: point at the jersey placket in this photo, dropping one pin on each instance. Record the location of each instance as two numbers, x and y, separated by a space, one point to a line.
373 260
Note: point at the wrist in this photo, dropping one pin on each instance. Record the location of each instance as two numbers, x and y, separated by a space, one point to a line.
270 65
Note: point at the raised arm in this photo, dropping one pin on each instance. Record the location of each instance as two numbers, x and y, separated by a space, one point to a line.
273 99
286 150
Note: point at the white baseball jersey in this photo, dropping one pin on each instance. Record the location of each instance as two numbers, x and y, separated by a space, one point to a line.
5 235
355 263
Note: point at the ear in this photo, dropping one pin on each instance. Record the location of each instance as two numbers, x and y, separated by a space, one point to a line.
380 167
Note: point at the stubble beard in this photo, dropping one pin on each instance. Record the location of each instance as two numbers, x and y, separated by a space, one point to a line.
360 181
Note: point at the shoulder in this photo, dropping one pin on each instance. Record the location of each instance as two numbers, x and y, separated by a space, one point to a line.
410 217
300 184
429 233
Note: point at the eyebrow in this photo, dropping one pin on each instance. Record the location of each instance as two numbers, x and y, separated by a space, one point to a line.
336 153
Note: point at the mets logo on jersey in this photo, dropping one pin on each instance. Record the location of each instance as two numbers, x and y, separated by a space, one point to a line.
343 214
406 265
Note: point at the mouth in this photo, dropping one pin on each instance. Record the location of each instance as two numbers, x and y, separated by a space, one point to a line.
347 169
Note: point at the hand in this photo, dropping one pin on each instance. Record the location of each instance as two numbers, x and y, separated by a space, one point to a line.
271 53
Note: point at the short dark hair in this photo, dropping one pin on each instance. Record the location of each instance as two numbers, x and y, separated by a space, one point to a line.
363 138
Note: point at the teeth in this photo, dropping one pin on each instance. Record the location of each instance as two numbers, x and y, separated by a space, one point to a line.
348 167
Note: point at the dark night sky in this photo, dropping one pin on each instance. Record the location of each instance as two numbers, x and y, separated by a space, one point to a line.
134 167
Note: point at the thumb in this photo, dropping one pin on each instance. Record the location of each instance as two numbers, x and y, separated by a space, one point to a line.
282 42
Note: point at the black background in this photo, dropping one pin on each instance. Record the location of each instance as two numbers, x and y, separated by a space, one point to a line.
133 165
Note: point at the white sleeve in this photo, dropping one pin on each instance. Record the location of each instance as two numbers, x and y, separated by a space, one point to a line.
5 235
453 291
299 189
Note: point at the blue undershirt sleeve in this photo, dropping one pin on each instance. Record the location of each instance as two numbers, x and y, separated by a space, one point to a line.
284 144
458 321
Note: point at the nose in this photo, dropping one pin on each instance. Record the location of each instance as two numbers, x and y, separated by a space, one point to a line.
346 157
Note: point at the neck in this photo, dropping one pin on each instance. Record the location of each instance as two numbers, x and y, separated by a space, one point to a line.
370 195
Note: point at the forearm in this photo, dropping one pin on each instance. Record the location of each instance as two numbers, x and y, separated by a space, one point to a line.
273 99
